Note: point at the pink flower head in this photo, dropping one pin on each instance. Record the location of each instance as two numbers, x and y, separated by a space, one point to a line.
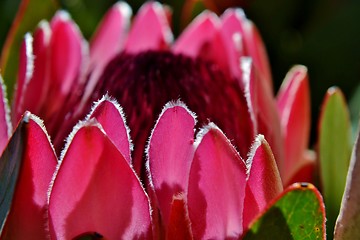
164 183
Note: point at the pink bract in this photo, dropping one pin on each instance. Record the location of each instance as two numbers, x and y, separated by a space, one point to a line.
152 168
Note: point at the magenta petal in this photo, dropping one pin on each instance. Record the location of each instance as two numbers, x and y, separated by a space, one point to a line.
5 123
95 190
216 187
264 182
198 36
108 40
170 153
25 73
243 39
232 34
293 102
150 29
65 61
26 216
265 115
111 117
35 91
110 35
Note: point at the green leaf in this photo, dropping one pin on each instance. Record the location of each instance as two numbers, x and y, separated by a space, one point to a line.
334 152
25 21
10 163
298 213
348 222
354 106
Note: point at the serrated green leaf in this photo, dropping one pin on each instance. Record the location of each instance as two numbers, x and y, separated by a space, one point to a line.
297 214
25 21
334 152
10 163
347 224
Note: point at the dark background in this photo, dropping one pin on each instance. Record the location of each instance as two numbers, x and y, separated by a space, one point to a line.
324 35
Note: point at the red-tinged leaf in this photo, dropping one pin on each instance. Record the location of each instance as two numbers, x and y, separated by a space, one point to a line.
334 152
25 21
95 190
298 213
111 117
196 38
179 222
216 187
293 102
264 182
5 123
10 164
26 219
150 29
262 106
170 153
347 224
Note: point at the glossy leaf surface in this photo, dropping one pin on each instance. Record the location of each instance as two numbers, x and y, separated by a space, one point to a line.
334 151
297 214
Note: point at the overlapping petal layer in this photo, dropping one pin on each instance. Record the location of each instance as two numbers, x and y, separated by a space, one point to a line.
103 192
198 189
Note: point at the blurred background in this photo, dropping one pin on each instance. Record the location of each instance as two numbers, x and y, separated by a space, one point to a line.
324 35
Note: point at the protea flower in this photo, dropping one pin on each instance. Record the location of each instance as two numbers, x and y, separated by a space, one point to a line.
211 186
206 67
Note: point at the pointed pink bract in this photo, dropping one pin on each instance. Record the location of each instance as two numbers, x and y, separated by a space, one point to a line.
170 153
264 182
110 36
34 94
293 102
264 112
108 40
243 39
150 29
232 34
216 187
65 61
26 219
95 190
25 73
197 38
111 117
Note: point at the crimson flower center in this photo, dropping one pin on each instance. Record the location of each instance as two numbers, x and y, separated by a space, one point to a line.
143 83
